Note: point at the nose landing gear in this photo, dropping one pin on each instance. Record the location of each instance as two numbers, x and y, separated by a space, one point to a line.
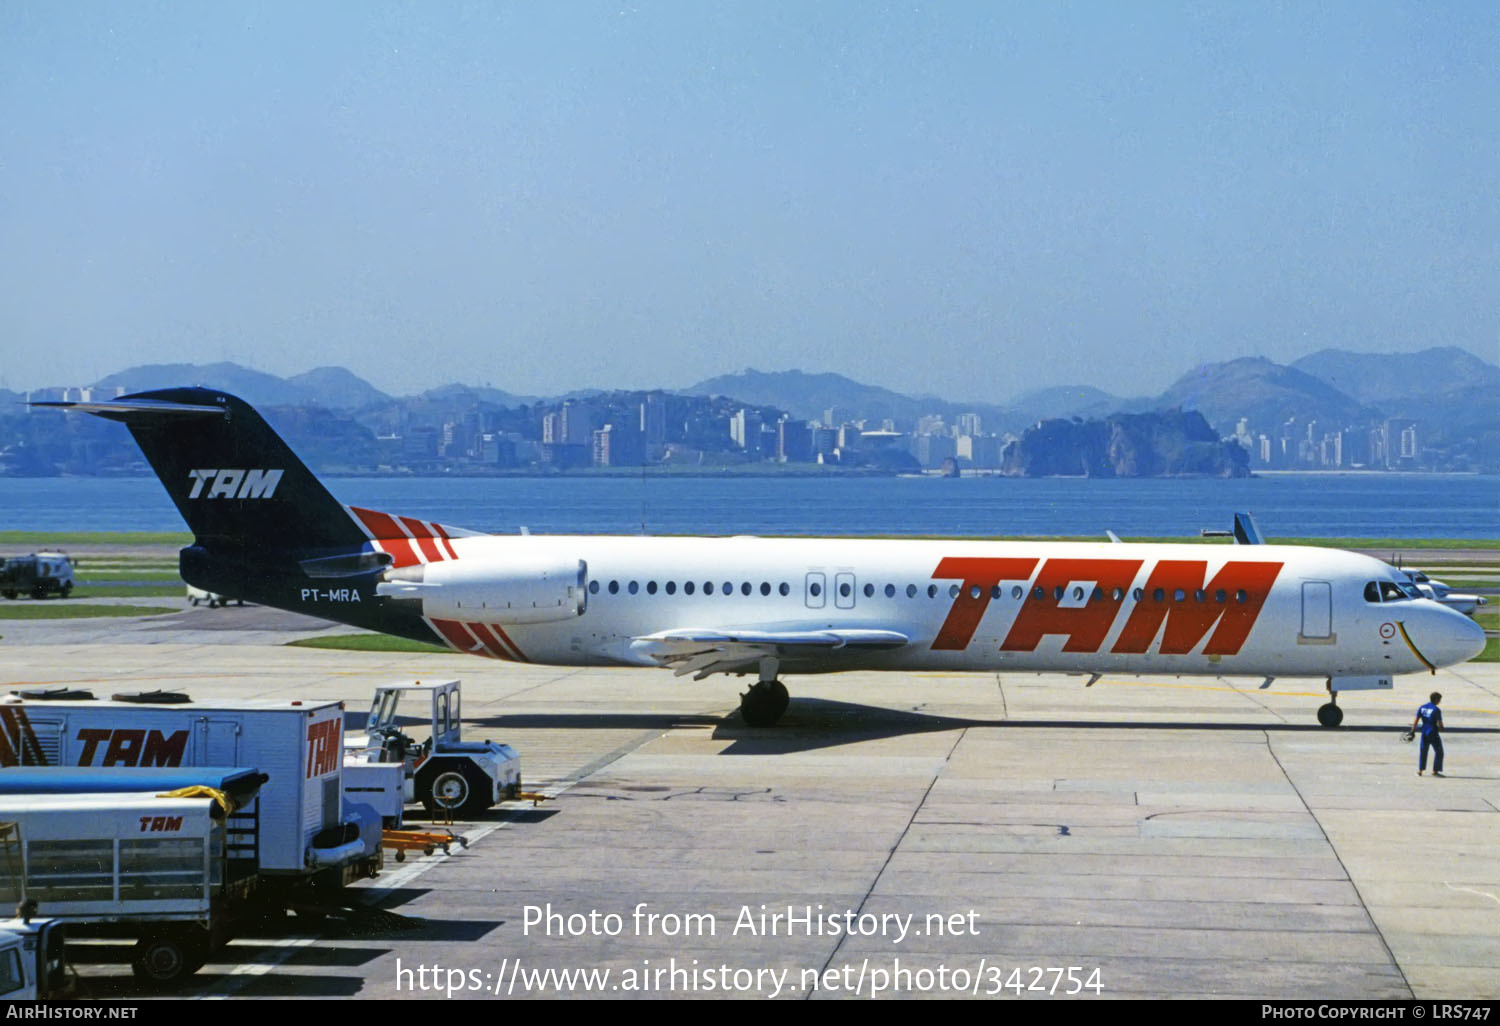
1329 713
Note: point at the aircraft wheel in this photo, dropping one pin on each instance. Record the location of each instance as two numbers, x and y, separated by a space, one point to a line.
780 695
764 703
1330 715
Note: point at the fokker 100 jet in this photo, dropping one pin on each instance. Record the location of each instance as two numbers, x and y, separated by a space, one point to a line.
265 529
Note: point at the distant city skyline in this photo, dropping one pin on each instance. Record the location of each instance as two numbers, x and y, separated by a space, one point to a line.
852 374
969 201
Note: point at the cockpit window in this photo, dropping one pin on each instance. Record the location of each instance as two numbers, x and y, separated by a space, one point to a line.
1390 591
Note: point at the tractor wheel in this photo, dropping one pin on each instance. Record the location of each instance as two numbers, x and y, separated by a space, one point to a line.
456 786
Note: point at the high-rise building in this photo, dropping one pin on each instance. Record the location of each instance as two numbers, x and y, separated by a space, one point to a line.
931 424
793 441
744 430
824 441
654 421
1411 449
576 423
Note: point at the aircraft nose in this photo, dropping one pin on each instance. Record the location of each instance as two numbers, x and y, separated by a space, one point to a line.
1452 638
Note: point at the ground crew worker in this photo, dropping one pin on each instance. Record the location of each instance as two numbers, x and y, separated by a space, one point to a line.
1429 721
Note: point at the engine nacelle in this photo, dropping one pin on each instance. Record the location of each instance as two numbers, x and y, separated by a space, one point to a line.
503 591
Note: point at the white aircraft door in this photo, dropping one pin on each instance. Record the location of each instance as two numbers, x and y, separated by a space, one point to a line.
813 592
843 590
1317 613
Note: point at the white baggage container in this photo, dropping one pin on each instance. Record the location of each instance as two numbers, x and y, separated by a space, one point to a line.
299 745
152 867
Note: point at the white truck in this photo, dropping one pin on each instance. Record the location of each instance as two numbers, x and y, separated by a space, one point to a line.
37 575
33 962
447 773
308 832
138 864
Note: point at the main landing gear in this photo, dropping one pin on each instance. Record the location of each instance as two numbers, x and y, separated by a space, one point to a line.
767 698
764 703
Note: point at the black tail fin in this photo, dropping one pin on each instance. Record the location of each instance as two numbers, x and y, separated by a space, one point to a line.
235 482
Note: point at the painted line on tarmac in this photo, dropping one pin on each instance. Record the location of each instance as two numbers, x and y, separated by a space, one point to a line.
1471 890
246 973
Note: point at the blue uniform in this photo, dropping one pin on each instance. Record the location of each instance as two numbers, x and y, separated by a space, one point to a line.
1430 723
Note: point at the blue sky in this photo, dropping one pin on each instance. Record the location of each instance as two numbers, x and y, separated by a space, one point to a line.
971 200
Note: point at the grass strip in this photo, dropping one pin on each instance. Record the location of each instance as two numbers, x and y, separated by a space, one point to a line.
71 610
125 589
54 538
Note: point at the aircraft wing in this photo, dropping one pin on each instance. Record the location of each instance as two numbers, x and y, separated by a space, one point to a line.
706 651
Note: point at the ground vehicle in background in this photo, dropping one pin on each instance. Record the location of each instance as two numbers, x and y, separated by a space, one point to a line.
214 599
447 773
37 575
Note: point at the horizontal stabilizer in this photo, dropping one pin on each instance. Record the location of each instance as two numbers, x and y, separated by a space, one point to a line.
238 486
119 409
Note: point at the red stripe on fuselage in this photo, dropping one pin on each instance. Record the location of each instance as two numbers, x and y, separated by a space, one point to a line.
507 639
419 531
457 635
487 636
387 533
443 534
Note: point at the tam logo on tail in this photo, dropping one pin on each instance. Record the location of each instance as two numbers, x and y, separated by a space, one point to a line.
234 484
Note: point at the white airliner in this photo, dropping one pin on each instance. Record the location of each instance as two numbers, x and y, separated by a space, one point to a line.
266 530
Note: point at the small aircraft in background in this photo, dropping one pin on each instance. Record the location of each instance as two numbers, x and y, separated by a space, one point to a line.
1438 591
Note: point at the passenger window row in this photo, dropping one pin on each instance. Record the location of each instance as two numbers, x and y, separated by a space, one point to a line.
1219 596
689 587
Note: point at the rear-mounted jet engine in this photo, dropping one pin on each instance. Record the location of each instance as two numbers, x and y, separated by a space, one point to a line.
511 591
